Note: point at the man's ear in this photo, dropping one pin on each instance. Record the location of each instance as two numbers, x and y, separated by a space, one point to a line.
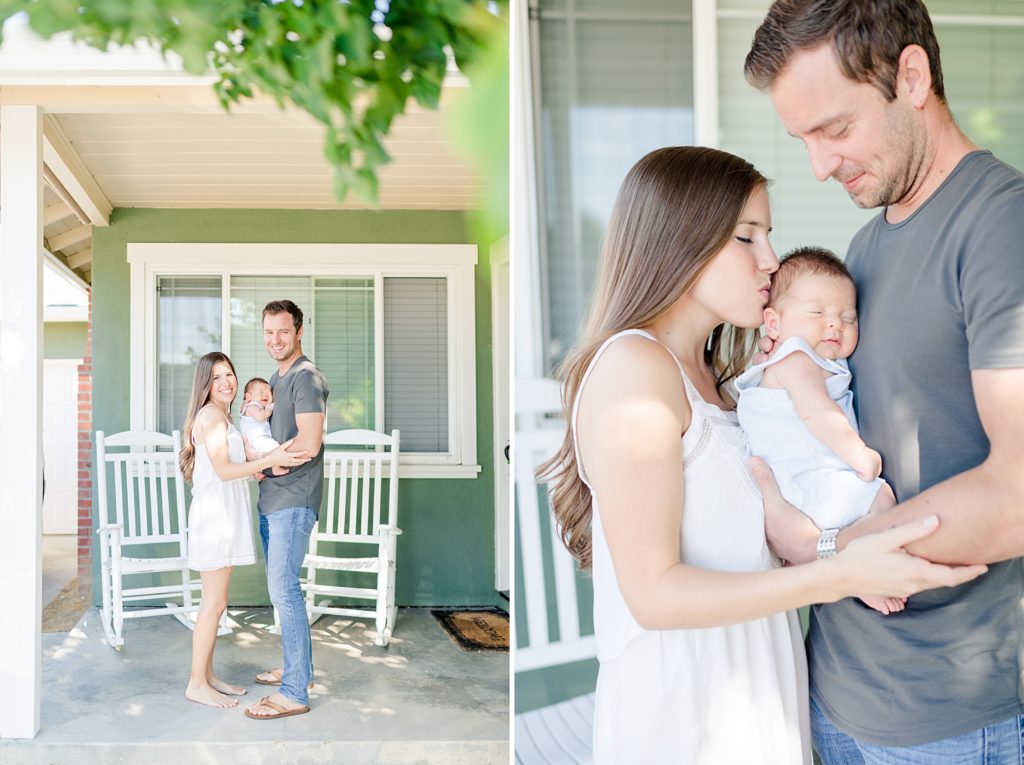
914 74
771 322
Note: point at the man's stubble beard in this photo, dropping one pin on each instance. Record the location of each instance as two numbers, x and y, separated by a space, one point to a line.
902 141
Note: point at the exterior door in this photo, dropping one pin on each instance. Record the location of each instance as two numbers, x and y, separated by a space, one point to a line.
60 445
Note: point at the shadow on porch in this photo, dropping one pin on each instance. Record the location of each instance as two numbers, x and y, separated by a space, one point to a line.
420 700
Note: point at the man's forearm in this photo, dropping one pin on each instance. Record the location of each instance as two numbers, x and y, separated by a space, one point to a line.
307 443
981 512
311 434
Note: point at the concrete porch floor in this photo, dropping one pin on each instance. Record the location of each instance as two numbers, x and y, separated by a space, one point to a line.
420 700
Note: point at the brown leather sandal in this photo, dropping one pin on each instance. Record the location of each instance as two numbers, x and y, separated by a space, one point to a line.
273 682
279 711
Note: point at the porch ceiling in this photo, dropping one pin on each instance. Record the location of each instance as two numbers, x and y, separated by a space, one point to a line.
259 158
133 130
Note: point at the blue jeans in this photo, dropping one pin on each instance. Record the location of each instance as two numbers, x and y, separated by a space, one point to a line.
285 535
999 744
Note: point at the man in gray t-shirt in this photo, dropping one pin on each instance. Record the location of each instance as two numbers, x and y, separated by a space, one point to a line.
290 504
938 376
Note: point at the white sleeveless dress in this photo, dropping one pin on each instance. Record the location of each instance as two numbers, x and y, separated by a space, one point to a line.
716 696
220 516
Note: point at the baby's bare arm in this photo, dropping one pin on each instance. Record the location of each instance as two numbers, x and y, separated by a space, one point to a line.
803 380
260 412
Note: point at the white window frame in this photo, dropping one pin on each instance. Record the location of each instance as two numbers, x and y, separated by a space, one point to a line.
455 262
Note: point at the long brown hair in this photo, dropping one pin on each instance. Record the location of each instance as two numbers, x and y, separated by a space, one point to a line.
676 209
200 397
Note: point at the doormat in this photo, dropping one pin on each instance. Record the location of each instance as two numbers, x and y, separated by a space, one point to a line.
476 630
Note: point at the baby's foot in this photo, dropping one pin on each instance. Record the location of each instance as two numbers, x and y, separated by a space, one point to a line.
217 684
209 696
886 605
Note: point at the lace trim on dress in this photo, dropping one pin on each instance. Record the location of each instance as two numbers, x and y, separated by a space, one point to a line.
702 442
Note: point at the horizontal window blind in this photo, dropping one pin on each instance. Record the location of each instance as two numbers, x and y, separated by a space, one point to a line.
416 362
249 295
188 316
339 336
983 72
614 85
344 330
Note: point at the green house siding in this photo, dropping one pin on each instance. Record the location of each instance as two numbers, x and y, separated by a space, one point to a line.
446 553
64 339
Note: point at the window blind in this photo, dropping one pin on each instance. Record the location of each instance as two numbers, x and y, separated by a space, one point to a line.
344 334
339 336
416 362
615 83
249 294
188 312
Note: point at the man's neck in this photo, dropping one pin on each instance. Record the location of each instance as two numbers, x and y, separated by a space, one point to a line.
943 153
284 365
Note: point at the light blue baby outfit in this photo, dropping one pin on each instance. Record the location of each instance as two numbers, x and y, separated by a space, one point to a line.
810 475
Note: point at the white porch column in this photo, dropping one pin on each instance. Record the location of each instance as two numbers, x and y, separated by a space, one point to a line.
21 442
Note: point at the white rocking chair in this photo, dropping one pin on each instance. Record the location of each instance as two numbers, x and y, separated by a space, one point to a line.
141 509
354 515
562 733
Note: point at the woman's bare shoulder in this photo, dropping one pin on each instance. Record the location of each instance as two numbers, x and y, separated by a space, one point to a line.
636 366
207 418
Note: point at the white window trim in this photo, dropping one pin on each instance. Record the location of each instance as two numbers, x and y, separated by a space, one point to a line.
455 262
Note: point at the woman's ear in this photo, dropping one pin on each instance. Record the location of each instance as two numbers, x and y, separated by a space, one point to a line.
771 323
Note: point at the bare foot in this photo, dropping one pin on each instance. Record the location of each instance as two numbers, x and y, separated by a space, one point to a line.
886 605
263 709
204 694
217 684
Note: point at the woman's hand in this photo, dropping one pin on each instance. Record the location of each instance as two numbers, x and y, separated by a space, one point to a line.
282 458
791 534
877 565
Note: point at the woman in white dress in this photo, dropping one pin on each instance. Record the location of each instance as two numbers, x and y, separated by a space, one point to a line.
220 517
701 661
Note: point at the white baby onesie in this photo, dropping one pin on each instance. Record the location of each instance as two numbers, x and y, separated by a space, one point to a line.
810 475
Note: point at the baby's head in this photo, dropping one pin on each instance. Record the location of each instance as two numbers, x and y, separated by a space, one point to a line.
257 389
813 297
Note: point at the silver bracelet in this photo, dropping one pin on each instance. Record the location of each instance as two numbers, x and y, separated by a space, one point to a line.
827 543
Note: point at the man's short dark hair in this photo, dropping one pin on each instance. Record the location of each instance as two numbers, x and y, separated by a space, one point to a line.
275 307
805 261
867 38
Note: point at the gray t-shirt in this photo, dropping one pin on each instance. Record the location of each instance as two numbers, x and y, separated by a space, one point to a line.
302 390
940 294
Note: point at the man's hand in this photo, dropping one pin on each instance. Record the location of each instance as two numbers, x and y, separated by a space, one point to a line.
791 534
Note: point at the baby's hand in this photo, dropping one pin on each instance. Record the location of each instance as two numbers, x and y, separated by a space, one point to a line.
868 465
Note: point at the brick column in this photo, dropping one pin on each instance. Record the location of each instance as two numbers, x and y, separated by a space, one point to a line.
85 453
